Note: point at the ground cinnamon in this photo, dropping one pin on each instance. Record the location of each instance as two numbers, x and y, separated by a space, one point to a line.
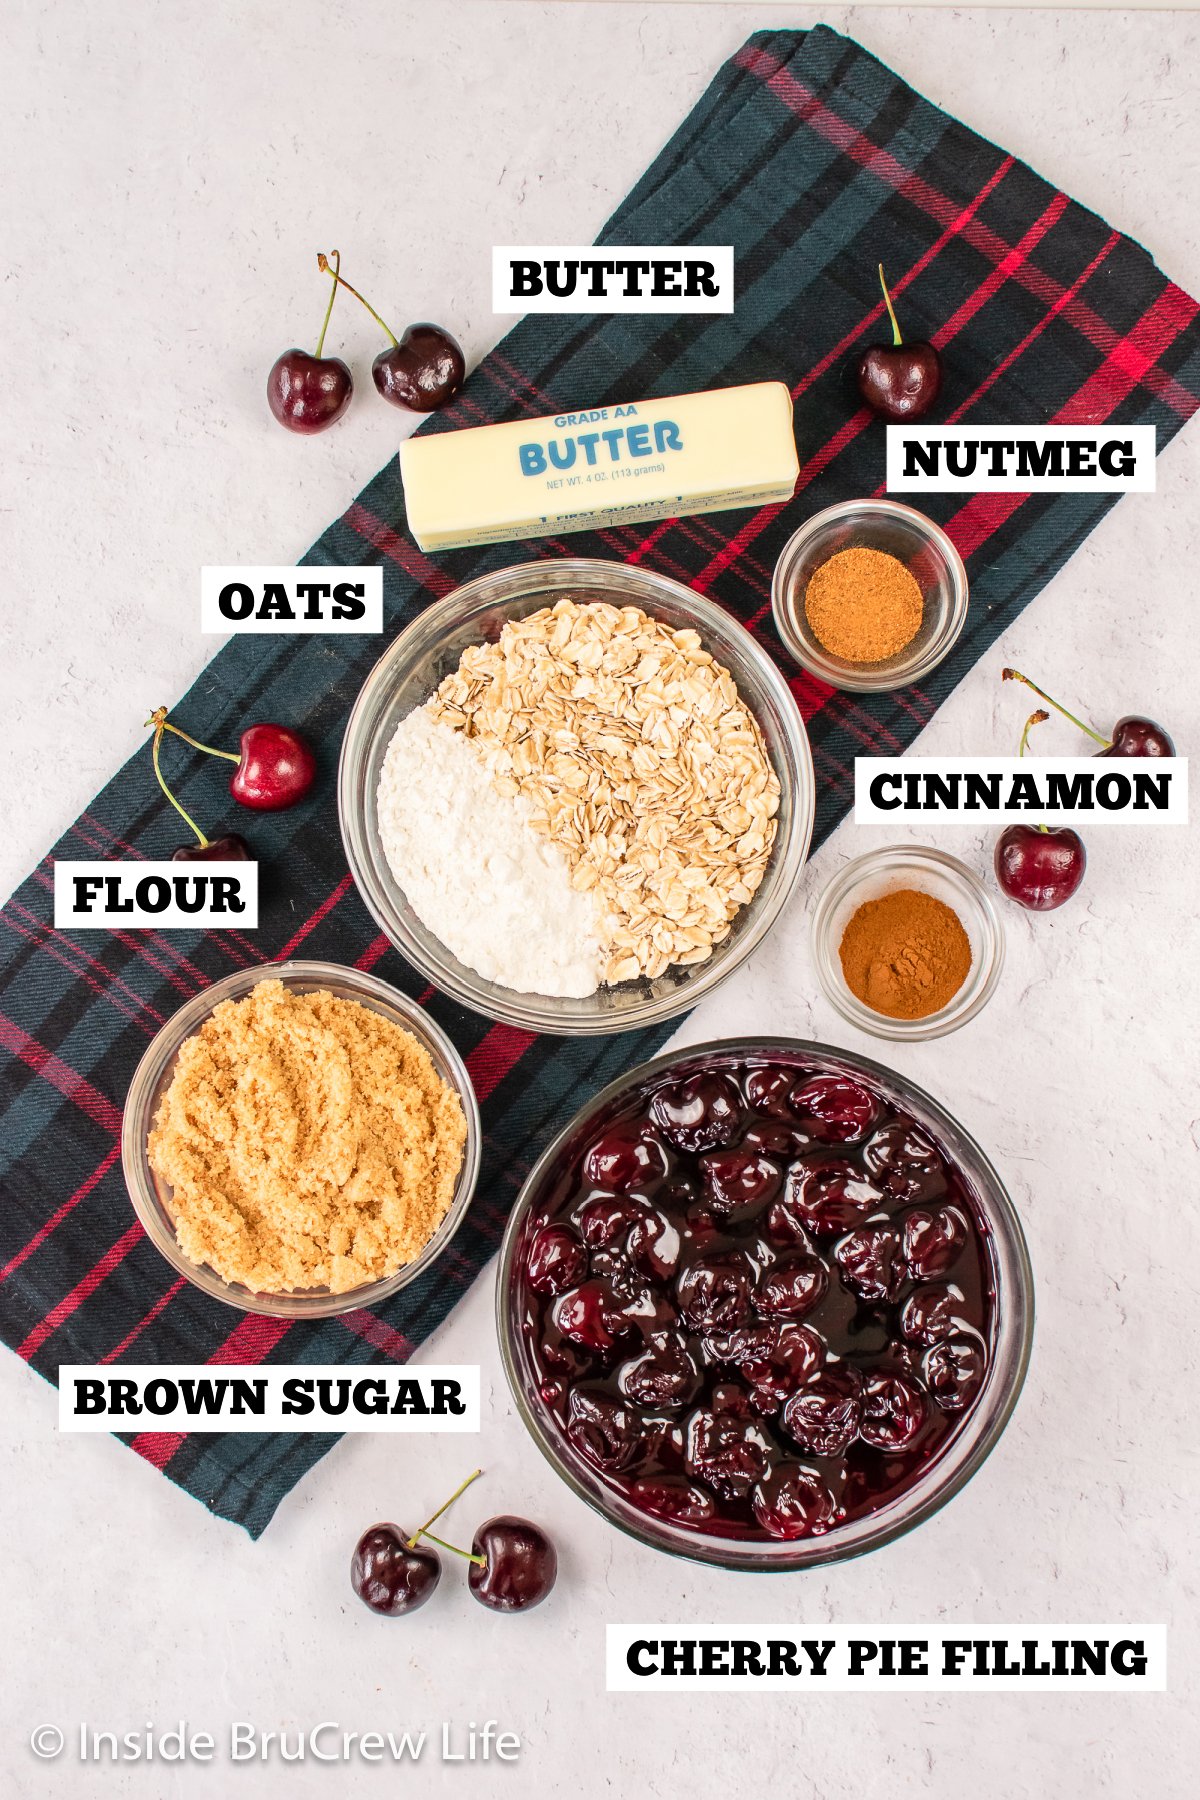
863 605
905 955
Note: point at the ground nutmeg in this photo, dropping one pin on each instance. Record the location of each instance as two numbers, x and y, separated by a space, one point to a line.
905 955
863 605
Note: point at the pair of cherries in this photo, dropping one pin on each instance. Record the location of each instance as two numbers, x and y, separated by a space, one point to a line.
1041 866
419 371
275 769
512 1564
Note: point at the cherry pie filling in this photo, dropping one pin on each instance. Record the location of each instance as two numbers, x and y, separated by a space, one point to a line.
757 1301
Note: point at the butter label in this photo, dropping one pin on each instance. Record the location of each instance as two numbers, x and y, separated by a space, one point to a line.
604 465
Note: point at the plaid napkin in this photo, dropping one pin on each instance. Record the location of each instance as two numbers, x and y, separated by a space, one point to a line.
813 161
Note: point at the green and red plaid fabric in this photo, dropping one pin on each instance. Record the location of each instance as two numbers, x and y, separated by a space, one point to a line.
814 161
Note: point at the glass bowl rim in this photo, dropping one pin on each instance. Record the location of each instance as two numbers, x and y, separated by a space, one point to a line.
164 1047
899 672
712 621
954 1014
733 1554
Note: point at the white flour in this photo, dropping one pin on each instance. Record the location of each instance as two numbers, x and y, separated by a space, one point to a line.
496 893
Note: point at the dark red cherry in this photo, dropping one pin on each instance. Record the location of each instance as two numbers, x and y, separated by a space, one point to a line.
933 1240
739 1183
905 1162
784 1225
277 768
774 1360
730 1397
608 1434
893 1410
791 1287
625 1158
556 1260
607 1218
702 1112
871 1262
590 1315
672 1497
1131 736
1134 736
832 1197
665 1376
422 369
823 1417
519 1566
768 1089
774 1138
1039 869
421 372
389 1574
793 1502
714 1292
931 1312
654 1245
230 848
953 1370
839 1110
308 393
728 1453
899 381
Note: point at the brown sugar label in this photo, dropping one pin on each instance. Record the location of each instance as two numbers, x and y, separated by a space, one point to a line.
281 1397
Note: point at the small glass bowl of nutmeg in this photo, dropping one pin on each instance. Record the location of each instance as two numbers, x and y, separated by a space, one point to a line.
869 595
907 943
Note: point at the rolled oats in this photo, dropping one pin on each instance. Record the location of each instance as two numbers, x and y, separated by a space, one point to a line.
638 759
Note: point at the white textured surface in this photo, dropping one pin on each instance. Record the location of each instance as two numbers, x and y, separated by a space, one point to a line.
170 173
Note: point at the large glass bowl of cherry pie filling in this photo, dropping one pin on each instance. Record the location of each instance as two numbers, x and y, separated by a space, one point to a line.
765 1304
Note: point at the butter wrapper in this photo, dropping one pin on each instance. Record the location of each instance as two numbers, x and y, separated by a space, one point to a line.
603 466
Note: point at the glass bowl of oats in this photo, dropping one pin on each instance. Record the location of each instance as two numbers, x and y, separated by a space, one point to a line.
300 1139
575 795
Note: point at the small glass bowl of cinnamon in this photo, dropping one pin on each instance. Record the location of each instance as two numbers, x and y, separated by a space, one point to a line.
869 595
907 943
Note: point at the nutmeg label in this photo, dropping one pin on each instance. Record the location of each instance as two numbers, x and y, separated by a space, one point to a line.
1021 459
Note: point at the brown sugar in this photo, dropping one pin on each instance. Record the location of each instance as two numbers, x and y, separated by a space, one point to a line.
863 605
308 1141
905 955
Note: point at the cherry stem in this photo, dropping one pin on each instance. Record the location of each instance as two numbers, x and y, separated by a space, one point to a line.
434 1517
887 301
337 263
340 281
186 817
1035 718
1016 675
158 718
479 1561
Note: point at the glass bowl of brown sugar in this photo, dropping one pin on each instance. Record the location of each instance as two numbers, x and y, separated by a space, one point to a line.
907 943
869 595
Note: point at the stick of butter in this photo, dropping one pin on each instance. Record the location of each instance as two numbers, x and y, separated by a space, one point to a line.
609 465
